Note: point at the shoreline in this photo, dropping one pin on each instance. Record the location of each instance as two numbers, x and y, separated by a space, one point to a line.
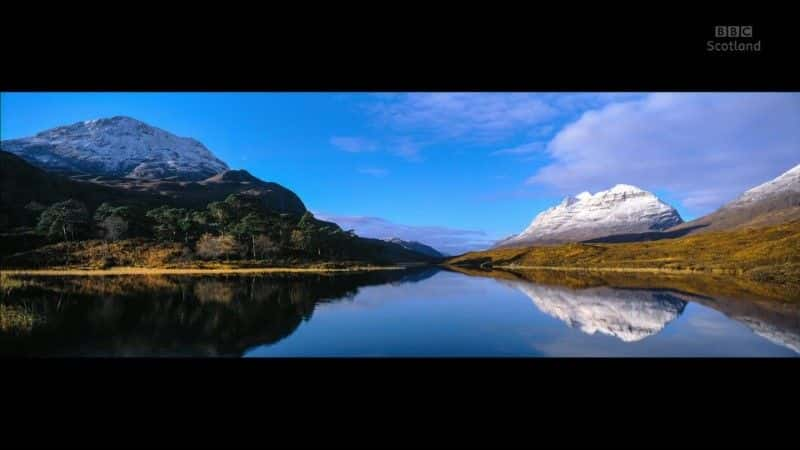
707 271
189 271
236 270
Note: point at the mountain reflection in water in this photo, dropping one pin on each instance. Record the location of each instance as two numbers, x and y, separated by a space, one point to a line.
634 313
412 312
630 315
172 315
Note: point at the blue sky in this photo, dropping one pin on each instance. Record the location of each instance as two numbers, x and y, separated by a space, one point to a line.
459 170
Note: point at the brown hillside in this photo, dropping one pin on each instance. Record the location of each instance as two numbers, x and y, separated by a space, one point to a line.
770 254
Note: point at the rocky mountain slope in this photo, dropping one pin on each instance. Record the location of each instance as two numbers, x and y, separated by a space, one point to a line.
774 202
23 183
619 210
416 247
118 147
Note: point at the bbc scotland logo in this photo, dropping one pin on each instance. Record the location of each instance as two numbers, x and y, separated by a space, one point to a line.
733 39
723 31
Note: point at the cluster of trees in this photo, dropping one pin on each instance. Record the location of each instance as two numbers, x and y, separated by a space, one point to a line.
238 227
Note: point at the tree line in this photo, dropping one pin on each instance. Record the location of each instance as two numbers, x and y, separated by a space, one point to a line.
240 227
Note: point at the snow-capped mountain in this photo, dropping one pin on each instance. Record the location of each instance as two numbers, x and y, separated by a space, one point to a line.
789 181
774 202
621 209
416 247
117 147
628 314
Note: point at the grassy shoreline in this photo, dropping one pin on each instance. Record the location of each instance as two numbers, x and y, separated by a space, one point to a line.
188 271
768 254
55 271
720 286
701 270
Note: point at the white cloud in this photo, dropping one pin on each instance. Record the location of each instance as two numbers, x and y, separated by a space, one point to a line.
353 144
476 117
451 241
704 148
374 171
482 116
525 149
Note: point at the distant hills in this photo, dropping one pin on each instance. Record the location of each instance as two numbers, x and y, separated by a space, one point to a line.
416 247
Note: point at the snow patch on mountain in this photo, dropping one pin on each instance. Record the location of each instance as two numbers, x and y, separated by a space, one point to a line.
117 146
789 181
621 209
783 337
627 314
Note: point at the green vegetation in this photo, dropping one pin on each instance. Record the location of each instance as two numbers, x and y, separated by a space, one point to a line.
68 219
770 254
239 229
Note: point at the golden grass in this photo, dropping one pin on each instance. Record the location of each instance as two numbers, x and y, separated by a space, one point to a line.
704 284
18 319
142 256
188 271
769 254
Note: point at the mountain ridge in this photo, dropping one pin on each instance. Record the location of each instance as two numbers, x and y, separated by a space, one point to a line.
416 246
770 203
773 202
621 209
119 146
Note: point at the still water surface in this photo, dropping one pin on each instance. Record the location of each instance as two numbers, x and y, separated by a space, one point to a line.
420 312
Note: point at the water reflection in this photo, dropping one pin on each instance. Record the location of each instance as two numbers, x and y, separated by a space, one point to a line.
168 315
415 312
630 315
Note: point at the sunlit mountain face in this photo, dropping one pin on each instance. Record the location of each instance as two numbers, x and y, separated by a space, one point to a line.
117 146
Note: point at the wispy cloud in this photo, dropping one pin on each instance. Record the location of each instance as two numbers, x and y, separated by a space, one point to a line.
374 172
407 148
703 148
353 144
476 118
450 241
482 116
525 149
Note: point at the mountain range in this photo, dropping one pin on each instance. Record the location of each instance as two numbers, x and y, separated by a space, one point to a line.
627 213
106 160
121 160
